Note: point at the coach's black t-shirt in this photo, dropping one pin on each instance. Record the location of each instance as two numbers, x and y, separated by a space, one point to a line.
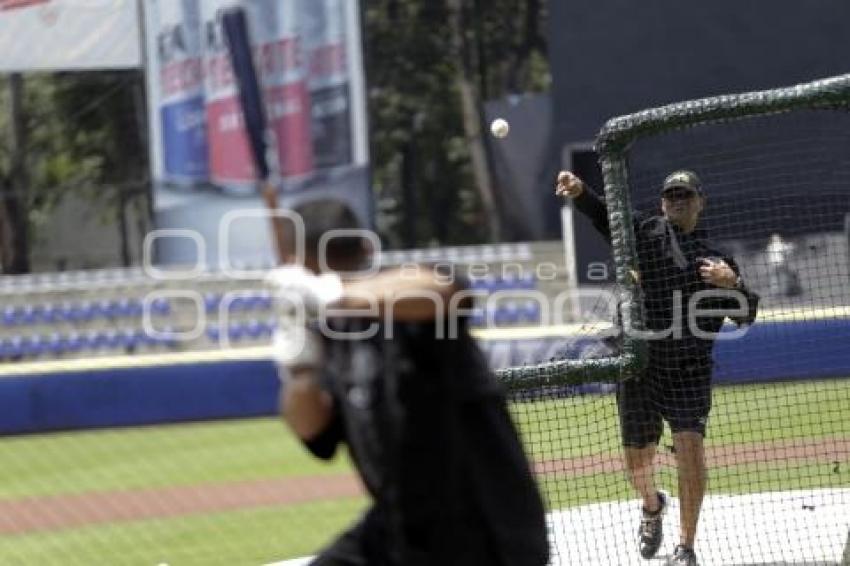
669 262
429 432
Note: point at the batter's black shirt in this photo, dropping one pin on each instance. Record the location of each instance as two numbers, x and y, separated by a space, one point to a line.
428 429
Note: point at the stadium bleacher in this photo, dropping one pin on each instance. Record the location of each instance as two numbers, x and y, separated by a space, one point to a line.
127 311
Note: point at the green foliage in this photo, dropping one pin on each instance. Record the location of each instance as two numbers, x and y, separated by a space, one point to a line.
82 133
422 174
86 133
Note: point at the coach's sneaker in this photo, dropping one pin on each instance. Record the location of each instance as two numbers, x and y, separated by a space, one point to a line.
651 528
682 556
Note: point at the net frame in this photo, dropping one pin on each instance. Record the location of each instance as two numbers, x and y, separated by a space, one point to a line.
612 144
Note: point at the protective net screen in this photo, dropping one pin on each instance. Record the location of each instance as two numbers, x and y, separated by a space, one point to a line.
773 399
245 491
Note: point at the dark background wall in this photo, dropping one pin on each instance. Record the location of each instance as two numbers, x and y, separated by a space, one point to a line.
613 57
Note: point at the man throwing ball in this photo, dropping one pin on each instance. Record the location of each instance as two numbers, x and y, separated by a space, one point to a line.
682 276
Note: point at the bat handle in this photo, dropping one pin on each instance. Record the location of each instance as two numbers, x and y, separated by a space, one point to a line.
282 241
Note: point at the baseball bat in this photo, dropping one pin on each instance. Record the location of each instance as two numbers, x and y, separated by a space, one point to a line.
235 26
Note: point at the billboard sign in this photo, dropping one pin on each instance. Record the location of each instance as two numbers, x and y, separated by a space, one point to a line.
308 55
50 35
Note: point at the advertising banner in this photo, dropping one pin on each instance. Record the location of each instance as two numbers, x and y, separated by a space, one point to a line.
308 56
49 35
181 92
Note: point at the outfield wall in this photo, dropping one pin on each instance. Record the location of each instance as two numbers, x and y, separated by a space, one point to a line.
176 388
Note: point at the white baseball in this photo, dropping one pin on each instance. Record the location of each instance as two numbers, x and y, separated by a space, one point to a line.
500 128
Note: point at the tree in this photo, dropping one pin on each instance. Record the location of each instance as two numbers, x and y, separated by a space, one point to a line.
105 126
14 246
425 103
66 133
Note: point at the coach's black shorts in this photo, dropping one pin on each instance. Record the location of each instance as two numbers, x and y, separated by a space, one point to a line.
679 395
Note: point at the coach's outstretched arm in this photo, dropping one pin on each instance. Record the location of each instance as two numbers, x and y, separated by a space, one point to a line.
586 201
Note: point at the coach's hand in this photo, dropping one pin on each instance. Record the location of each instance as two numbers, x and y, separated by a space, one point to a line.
569 185
718 273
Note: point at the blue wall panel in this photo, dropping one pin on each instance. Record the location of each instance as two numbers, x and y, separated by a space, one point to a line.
815 349
137 396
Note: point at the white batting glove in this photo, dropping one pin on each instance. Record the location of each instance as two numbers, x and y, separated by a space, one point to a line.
295 346
294 287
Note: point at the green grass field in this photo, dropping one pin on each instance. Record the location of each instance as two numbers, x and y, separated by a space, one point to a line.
238 451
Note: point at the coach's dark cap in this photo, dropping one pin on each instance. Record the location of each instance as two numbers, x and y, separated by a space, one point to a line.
679 180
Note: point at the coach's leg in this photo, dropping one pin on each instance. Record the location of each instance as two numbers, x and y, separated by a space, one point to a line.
639 465
640 427
690 460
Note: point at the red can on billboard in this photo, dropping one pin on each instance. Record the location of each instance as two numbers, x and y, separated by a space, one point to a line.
276 28
230 163
329 82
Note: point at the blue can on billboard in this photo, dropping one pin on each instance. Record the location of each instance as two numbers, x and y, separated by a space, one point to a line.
185 141
182 111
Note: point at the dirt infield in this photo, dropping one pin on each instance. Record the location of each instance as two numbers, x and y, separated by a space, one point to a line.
38 514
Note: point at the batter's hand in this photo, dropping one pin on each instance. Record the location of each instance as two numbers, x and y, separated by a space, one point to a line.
569 185
292 284
296 347
718 273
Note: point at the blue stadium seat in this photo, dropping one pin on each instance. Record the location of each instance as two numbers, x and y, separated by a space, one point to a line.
264 301
131 337
95 340
51 313
121 307
211 301
259 301
33 346
488 284
236 332
168 338
10 316
254 329
126 307
105 308
15 347
111 339
507 314
248 302
213 333
76 342
136 308
28 314
528 281
145 339
530 312
64 311
82 312
478 317
160 306
508 282
55 344
237 304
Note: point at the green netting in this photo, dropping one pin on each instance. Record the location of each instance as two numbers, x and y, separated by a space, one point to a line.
612 144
